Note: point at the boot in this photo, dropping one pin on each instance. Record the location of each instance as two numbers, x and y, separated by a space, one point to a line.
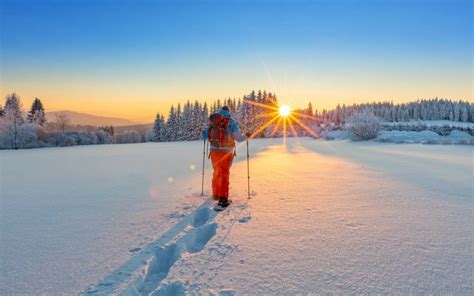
223 202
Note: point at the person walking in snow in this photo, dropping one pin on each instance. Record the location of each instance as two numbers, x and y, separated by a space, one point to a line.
222 133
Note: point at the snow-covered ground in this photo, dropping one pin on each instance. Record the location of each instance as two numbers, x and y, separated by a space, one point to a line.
325 217
434 123
408 137
425 137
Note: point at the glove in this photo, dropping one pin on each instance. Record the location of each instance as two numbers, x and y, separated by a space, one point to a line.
248 134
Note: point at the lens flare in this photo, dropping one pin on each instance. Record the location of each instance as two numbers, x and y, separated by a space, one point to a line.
284 110
282 117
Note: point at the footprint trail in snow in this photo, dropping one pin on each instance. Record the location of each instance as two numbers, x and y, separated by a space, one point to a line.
144 273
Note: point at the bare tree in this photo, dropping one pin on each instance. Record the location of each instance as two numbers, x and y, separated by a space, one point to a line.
364 125
62 121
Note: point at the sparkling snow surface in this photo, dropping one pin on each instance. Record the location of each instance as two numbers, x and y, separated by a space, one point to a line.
325 217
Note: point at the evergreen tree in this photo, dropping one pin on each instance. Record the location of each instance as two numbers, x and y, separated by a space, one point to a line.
252 120
108 129
187 130
158 128
188 122
1 111
464 114
171 124
178 126
13 119
337 117
242 113
433 109
309 111
198 120
36 114
205 114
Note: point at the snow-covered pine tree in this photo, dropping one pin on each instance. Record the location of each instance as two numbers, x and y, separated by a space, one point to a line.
310 110
432 109
464 113
170 126
266 98
195 115
158 128
108 129
36 114
205 116
12 119
243 113
252 120
265 114
338 118
179 124
187 122
258 112
259 97
457 112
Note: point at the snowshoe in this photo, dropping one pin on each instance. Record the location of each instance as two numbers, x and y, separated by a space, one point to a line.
222 204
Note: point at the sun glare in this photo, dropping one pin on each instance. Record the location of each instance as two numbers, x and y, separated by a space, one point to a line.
281 116
285 110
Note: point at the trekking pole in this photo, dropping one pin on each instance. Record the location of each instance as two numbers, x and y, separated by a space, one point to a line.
248 171
203 164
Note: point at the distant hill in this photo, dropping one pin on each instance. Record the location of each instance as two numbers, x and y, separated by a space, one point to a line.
89 119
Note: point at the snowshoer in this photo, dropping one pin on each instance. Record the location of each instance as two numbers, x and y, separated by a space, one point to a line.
222 133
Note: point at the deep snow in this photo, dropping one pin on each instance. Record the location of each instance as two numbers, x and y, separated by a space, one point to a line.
325 217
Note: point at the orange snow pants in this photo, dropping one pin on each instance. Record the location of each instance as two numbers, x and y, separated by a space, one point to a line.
221 163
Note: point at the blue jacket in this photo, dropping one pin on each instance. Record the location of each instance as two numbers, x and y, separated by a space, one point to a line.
232 129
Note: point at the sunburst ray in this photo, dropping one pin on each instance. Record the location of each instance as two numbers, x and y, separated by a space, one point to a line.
312 133
277 125
292 128
260 105
264 126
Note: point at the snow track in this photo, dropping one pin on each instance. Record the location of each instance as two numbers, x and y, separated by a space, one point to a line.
145 271
160 255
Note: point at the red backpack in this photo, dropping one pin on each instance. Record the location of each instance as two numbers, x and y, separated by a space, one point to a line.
218 134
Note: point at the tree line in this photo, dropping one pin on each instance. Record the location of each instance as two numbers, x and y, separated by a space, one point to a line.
185 124
254 112
426 109
34 131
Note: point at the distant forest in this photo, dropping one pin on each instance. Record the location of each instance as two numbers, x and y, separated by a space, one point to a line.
186 122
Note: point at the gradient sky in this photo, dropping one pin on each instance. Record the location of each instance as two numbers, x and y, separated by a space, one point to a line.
134 58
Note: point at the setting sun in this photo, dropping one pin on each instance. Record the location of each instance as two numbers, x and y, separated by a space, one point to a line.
284 110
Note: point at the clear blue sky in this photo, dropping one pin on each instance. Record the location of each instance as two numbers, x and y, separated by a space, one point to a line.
133 58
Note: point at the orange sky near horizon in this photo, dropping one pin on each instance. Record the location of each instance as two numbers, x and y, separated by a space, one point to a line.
141 107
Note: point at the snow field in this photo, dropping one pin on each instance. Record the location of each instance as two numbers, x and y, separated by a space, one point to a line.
328 219
335 217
